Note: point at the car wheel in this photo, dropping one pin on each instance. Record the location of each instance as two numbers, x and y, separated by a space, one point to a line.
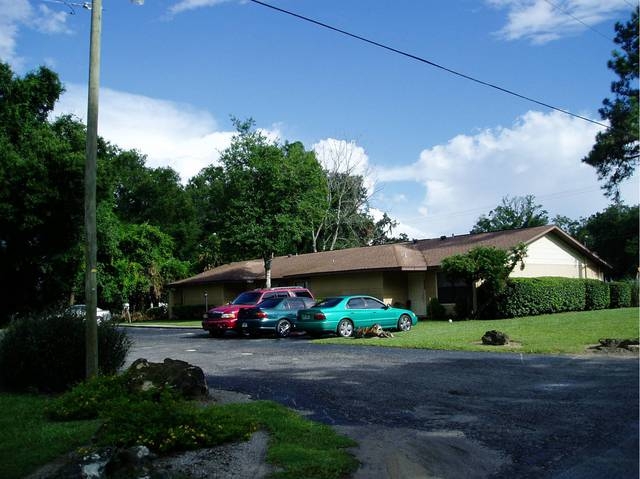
404 323
345 328
283 328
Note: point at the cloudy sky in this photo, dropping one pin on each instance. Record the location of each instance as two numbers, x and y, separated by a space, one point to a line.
438 150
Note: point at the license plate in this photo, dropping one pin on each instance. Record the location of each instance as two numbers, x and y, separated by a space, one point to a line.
244 325
306 316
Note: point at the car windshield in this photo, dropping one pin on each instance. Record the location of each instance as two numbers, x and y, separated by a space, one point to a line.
328 303
250 297
270 303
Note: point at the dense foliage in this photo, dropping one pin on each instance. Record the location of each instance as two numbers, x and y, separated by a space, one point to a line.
486 265
620 292
550 295
513 213
616 151
46 352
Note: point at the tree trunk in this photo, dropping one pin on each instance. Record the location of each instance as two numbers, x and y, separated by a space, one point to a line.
267 271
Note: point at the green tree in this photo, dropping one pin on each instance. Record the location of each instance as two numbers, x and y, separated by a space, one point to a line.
273 194
613 235
383 231
207 193
615 153
513 213
486 266
152 195
41 178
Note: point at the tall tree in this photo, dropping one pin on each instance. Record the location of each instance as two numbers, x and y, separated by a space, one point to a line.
513 213
345 222
615 154
154 196
40 193
272 193
613 235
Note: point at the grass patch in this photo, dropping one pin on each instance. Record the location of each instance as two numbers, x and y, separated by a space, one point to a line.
165 423
28 440
563 333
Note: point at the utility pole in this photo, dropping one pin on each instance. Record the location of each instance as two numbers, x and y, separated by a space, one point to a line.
90 170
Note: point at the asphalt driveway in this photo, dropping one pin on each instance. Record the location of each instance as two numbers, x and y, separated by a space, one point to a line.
424 413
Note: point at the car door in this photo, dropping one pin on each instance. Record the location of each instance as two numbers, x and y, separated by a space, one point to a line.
379 312
357 311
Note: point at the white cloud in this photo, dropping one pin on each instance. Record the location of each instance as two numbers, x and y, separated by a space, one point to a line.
542 21
185 5
13 14
345 157
540 155
169 133
17 14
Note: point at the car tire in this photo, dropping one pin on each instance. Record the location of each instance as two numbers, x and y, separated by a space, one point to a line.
283 328
404 323
345 328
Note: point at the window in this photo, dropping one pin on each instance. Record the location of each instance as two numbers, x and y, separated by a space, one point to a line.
372 303
356 303
450 291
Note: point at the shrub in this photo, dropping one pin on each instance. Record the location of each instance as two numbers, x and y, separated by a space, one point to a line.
620 294
597 294
157 313
546 295
46 352
189 312
635 292
435 310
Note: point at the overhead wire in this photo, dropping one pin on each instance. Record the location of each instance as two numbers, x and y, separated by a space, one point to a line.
428 62
567 13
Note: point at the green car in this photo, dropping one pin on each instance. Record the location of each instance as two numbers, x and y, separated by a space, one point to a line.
342 315
273 315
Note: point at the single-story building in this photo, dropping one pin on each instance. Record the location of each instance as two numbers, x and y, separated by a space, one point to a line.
407 273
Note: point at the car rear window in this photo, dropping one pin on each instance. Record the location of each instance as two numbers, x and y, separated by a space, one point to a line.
270 303
249 297
329 303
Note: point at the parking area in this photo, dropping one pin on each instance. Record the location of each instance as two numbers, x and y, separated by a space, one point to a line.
424 413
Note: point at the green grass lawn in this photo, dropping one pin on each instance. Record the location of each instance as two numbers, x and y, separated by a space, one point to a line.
566 333
28 440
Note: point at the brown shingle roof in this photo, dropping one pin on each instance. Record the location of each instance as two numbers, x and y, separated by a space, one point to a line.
412 256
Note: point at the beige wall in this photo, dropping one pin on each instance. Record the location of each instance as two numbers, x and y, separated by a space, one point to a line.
349 283
548 256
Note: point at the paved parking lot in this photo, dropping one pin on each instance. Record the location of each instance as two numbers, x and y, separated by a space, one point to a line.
423 413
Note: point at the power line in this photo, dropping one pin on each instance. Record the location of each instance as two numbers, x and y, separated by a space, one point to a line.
428 62
567 13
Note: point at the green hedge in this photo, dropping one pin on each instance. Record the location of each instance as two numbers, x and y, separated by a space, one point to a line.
533 296
548 295
597 294
620 294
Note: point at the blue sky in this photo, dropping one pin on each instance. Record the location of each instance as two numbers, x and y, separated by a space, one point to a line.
438 151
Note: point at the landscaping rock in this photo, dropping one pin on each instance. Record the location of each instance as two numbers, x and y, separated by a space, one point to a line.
179 375
612 345
495 338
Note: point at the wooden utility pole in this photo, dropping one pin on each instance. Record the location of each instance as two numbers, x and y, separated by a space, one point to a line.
90 174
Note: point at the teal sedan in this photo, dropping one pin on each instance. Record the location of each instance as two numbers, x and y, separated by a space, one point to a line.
273 315
342 315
